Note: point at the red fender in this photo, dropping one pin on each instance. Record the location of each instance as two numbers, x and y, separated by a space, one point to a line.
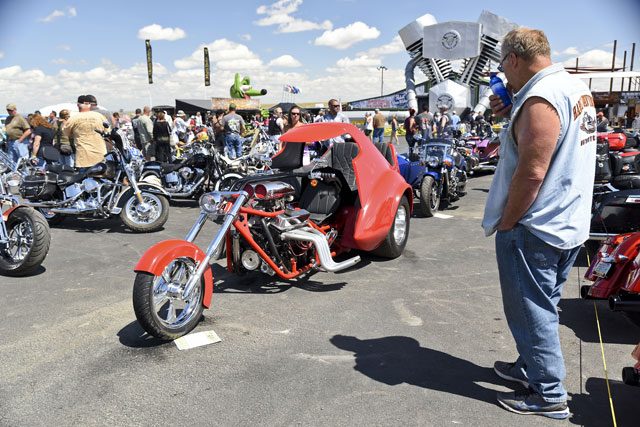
158 256
611 285
6 214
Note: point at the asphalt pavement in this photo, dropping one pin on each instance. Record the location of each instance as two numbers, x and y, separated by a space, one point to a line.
409 341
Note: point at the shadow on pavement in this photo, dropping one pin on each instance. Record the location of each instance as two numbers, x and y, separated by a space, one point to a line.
398 359
94 225
260 283
579 316
591 408
134 336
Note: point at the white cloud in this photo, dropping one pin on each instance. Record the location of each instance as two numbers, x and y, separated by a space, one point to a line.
345 37
360 61
59 61
224 54
157 32
573 51
394 46
52 16
1 54
287 61
72 12
594 58
63 47
279 13
246 37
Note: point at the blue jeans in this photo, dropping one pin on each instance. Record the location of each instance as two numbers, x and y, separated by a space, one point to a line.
233 142
67 159
532 274
378 135
17 149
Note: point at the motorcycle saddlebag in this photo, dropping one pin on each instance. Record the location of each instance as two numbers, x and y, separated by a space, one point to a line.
617 213
626 182
38 186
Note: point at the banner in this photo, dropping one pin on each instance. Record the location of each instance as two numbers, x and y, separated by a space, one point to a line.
241 104
149 61
207 70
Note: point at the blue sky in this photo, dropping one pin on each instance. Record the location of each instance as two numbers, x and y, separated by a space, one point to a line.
54 50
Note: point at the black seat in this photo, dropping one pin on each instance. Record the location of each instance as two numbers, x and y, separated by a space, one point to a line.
342 155
321 200
385 150
289 157
58 168
170 167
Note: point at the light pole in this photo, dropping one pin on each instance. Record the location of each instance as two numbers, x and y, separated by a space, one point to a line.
382 68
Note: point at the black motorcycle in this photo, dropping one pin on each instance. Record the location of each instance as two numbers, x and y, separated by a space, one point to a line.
106 189
189 177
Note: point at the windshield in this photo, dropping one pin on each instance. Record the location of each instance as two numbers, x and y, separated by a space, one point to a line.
438 150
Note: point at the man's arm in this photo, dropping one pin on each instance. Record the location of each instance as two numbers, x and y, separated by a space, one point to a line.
537 130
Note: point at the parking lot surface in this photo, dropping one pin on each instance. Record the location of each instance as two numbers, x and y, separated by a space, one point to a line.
409 341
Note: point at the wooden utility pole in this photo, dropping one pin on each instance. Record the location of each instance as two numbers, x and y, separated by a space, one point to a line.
633 51
613 64
624 68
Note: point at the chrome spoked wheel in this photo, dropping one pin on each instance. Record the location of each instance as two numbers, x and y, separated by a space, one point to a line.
146 212
170 306
400 225
20 241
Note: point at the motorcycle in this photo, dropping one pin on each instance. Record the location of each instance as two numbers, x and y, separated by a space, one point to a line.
437 173
487 151
103 190
617 163
24 233
285 223
188 177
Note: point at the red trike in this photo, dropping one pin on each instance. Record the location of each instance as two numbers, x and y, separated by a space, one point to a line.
286 223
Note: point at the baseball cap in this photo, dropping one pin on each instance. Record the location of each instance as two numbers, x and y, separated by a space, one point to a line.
82 99
232 106
92 99
11 107
180 113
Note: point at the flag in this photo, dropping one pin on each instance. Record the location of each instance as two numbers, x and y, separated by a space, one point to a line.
207 70
149 61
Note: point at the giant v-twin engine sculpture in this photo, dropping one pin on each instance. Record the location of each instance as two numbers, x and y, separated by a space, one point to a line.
434 46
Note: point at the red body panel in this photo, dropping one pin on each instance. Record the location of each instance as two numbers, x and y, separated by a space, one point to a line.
617 141
5 215
611 285
633 279
380 185
158 256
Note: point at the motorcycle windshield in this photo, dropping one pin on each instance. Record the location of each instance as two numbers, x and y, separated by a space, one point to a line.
436 150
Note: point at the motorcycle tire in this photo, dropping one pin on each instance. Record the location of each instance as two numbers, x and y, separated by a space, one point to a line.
393 245
226 181
157 314
431 203
29 221
127 215
52 218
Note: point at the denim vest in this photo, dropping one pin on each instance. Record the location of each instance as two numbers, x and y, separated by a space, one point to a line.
560 214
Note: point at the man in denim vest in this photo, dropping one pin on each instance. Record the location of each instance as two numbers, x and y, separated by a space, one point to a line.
539 205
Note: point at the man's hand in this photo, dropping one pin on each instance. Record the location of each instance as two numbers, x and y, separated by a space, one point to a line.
498 107
33 160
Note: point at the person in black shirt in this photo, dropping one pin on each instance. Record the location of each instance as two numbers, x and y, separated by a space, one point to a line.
161 133
42 142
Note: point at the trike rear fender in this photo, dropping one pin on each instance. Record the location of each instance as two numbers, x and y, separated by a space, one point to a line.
623 256
158 256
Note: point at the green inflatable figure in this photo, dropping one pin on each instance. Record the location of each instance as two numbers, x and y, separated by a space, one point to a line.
242 89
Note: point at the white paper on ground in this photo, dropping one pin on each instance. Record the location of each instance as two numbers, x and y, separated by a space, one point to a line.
196 340
443 216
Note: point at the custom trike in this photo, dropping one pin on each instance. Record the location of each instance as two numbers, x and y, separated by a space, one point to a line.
287 222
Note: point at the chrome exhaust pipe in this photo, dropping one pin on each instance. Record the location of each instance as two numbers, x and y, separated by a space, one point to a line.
318 239
625 302
71 211
189 193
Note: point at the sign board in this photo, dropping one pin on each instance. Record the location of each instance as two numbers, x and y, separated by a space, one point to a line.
241 104
601 98
451 40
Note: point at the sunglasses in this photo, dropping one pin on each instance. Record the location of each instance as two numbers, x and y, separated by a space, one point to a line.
295 114
334 105
500 67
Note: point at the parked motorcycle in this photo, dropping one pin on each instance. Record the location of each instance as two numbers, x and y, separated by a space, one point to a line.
24 233
617 164
615 271
103 190
286 223
487 151
437 173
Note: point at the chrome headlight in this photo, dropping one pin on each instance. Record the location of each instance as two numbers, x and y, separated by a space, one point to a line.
13 180
433 161
211 203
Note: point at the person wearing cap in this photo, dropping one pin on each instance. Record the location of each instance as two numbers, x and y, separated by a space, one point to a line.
603 122
181 128
18 133
90 147
233 124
